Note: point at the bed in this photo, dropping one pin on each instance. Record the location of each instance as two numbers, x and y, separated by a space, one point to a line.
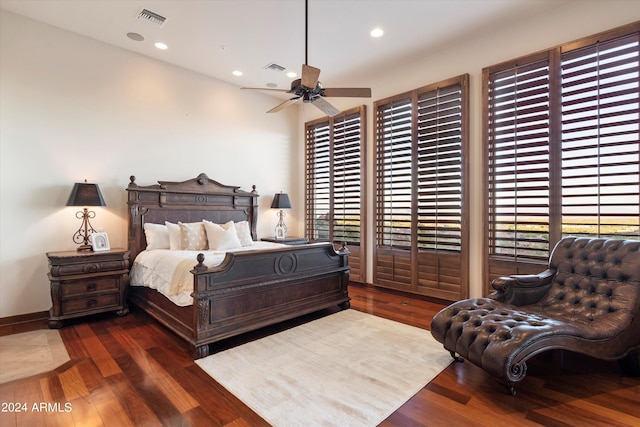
248 289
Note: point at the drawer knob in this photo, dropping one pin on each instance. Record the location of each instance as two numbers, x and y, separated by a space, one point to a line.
92 303
92 268
91 287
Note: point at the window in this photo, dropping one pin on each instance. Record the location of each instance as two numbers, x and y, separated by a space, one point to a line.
394 173
600 142
421 139
334 182
563 149
519 161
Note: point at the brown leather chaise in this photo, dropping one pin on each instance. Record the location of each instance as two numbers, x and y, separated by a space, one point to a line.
587 301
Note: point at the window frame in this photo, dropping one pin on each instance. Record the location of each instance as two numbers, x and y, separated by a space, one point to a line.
332 126
406 266
501 264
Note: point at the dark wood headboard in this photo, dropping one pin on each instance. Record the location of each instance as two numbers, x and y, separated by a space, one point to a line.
188 201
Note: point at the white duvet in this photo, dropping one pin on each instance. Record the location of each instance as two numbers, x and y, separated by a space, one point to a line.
169 272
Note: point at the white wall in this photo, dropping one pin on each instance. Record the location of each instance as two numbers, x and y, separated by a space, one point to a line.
72 108
566 23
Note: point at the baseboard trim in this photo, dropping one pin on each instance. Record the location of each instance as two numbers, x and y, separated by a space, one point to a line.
24 323
374 288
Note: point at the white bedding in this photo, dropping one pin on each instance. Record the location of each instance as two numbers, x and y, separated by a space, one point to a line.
169 271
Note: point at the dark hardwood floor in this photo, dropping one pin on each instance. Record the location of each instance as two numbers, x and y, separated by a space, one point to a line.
130 371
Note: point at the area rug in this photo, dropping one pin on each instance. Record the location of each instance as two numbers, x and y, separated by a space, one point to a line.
30 353
347 369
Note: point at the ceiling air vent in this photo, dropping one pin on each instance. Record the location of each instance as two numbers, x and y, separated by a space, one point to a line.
152 17
274 67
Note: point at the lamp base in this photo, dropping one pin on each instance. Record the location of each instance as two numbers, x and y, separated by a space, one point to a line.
280 233
281 228
85 248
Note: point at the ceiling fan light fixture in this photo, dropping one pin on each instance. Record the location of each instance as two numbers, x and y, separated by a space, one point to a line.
292 74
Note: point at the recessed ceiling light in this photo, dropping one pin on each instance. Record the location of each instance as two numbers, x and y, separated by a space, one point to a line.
376 32
161 46
135 36
272 85
237 73
291 74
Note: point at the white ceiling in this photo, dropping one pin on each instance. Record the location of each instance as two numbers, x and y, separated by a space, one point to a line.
216 37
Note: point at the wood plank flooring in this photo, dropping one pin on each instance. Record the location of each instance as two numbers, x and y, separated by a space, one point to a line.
131 371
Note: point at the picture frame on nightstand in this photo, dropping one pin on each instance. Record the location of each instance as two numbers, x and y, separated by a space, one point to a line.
100 242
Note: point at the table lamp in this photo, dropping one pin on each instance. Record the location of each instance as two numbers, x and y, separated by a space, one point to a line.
85 194
281 201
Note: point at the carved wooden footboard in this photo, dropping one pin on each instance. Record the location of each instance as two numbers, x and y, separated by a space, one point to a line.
253 289
248 290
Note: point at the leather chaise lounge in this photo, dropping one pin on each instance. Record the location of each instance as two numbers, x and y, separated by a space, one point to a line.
587 301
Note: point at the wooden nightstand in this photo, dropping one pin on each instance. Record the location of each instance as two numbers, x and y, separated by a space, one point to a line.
84 283
287 240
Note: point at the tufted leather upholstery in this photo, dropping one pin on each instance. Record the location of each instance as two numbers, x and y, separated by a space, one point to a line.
588 300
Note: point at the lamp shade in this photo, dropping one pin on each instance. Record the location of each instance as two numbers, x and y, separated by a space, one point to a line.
84 194
281 201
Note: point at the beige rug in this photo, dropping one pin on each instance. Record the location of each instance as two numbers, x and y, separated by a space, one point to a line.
30 353
346 369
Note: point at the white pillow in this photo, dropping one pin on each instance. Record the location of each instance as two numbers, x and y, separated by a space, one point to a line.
175 236
222 237
157 236
193 236
244 233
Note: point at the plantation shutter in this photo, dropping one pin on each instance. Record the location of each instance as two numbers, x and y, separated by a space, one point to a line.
518 139
420 140
347 168
394 193
334 183
394 127
318 180
600 141
439 169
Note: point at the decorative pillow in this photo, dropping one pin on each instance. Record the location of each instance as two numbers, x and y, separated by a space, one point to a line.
175 236
222 237
157 236
244 233
194 237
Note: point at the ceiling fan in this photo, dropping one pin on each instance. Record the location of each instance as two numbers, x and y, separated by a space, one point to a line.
309 90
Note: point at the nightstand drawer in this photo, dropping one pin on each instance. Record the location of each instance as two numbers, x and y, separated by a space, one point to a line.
90 303
84 286
87 268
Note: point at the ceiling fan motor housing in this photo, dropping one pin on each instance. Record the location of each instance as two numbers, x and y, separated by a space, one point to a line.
308 95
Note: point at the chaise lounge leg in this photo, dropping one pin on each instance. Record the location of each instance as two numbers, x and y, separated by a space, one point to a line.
509 386
455 357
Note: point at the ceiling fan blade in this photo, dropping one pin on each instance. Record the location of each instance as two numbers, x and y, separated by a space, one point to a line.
325 106
357 92
310 76
264 88
285 104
